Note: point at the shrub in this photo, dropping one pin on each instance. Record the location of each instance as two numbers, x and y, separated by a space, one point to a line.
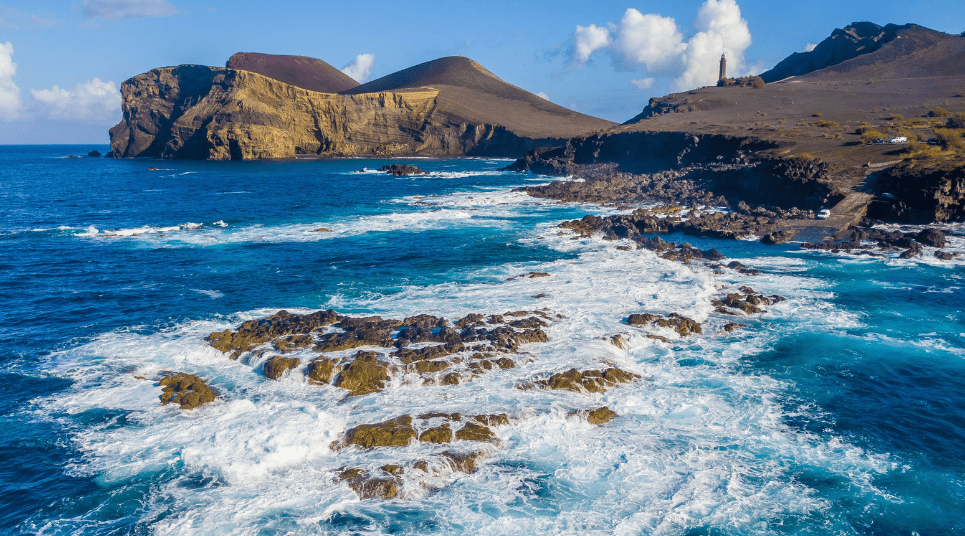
950 139
870 135
819 114
955 121
827 124
939 112
897 117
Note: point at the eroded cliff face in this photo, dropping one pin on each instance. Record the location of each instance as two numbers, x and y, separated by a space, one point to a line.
680 167
920 194
199 112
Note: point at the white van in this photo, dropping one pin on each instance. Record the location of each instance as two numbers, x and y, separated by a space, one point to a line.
898 139
824 214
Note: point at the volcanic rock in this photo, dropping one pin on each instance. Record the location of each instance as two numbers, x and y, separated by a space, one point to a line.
450 106
364 375
600 415
591 381
186 390
396 432
276 366
400 170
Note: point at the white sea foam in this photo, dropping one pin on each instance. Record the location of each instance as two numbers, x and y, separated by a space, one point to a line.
700 444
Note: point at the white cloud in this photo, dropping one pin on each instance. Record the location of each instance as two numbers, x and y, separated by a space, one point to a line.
655 43
93 101
651 40
586 41
809 47
360 68
720 30
126 9
15 19
543 95
9 92
642 83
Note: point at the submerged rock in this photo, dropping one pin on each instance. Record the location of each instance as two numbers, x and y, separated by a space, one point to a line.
396 432
400 170
186 390
364 375
591 381
683 325
600 415
276 366
439 434
474 432
369 488
320 370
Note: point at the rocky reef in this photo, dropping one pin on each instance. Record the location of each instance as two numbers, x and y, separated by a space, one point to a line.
431 347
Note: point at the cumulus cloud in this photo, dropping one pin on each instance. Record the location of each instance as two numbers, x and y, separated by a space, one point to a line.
587 40
809 47
656 43
9 92
94 101
360 68
542 95
650 40
642 83
126 9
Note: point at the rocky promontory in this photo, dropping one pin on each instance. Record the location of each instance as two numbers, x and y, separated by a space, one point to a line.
447 107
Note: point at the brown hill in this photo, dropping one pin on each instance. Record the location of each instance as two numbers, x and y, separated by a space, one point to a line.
903 87
469 93
844 44
300 71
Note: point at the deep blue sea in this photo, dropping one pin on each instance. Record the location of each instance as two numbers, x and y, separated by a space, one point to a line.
839 411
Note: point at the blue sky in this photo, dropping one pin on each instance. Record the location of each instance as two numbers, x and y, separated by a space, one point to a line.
62 62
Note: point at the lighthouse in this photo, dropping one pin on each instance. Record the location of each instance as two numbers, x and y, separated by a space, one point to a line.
723 68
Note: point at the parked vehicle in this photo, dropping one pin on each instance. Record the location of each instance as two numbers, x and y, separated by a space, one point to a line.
879 141
824 214
933 141
898 139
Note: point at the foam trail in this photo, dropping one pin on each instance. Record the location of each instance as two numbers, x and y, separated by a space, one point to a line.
693 443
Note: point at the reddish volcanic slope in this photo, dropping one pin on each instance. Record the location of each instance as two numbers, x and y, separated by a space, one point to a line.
302 71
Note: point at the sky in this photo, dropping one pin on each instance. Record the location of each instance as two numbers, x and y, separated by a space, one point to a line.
62 62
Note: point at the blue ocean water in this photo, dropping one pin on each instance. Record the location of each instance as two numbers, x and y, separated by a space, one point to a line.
839 411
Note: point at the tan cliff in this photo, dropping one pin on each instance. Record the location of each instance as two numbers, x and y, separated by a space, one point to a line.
199 112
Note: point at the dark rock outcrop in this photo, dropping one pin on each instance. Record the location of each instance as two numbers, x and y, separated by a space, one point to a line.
401 170
601 416
186 390
921 193
396 432
276 366
590 381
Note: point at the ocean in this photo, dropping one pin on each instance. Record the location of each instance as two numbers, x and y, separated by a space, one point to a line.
840 410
